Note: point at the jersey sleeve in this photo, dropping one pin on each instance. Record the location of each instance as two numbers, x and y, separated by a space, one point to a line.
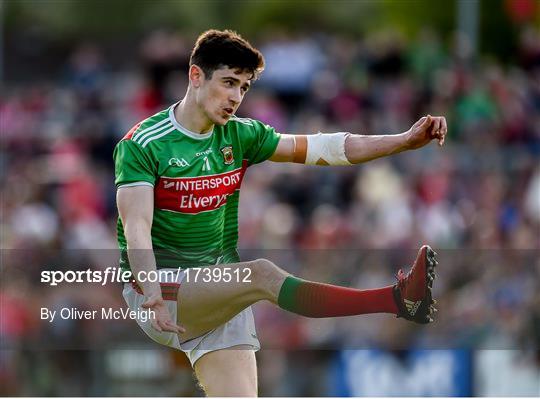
262 143
132 165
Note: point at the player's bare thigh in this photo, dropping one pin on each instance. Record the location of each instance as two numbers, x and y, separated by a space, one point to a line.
205 305
228 372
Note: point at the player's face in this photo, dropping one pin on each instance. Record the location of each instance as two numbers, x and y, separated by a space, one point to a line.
220 96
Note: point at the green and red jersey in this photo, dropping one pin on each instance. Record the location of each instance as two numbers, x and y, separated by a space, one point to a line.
196 180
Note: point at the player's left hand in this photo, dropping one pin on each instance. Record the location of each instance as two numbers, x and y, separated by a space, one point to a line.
162 321
426 129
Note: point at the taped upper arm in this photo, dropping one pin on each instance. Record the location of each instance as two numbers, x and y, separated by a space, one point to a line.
315 149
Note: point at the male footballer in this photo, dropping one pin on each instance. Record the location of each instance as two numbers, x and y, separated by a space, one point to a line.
178 175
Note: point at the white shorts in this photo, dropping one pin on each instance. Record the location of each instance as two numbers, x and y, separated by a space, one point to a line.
240 330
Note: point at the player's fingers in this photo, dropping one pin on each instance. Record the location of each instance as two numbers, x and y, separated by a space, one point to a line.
435 128
180 329
155 325
419 122
443 130
441 140
165 325
172 327
427 122
444 126
176 328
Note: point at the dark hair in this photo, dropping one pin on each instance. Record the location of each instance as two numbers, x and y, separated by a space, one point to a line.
215 49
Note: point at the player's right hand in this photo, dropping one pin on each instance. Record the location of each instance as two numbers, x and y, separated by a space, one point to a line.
162 321
426 129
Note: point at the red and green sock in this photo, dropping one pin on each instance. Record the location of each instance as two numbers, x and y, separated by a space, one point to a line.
312 299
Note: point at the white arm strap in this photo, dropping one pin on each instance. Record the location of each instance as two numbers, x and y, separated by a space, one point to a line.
326 149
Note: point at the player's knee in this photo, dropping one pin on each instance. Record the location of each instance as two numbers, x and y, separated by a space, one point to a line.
265 273
263 269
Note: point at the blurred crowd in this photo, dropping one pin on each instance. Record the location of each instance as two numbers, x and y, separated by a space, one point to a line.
476 200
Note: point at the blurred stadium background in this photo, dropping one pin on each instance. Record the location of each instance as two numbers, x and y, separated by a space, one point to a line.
76 75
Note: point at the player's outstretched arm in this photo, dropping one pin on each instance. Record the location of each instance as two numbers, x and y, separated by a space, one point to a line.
136 206
346 149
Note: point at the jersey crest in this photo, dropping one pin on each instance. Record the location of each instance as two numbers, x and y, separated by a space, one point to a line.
228 156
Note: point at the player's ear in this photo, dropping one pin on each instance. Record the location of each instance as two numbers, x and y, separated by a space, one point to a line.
196 76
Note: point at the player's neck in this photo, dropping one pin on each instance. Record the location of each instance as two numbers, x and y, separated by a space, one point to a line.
189 115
